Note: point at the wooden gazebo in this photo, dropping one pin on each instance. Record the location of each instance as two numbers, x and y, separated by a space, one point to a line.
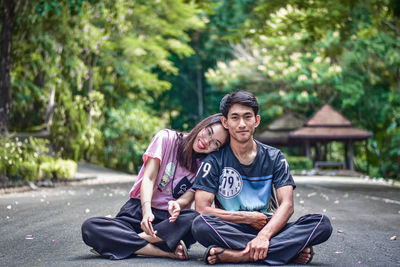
277 132
328 125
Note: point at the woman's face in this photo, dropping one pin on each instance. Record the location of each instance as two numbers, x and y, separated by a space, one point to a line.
210 139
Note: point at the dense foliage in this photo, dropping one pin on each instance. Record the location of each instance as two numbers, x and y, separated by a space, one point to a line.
91 66
302 54
104 76
29 159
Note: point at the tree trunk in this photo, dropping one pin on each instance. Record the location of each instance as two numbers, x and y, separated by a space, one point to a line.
5 64
92 65
199 77
51 106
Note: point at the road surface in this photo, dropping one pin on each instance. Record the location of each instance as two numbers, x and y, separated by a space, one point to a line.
42 227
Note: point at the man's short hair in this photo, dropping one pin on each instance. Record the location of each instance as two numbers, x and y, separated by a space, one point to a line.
240 97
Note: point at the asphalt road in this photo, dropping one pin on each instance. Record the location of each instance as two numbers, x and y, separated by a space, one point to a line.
42 228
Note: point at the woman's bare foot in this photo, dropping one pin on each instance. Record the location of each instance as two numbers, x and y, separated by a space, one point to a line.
149 238
153 251
180 253
304 256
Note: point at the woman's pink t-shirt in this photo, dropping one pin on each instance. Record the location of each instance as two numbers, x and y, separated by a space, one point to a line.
163 147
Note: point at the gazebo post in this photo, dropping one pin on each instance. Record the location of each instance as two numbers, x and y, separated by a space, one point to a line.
308 154
346 160
351 162
366 152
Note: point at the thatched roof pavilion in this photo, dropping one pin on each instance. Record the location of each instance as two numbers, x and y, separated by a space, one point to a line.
329 125
277 132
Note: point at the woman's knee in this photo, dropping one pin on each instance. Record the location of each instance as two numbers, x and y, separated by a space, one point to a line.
89 229
188 215
87 225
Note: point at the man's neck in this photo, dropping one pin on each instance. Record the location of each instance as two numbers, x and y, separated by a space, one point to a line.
244 152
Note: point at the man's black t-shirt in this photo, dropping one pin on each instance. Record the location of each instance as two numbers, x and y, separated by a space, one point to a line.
241 187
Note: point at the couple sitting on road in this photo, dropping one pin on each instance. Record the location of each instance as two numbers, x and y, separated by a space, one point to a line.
249 182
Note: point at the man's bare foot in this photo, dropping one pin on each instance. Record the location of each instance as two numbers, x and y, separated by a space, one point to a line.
215 255
305 256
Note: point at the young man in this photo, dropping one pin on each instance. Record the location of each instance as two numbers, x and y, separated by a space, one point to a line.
241 178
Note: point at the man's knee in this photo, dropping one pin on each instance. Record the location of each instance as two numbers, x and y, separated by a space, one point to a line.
326 226
201 227
323 227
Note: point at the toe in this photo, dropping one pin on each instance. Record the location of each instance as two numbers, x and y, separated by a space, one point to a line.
212 259
212 252
304 256
179 253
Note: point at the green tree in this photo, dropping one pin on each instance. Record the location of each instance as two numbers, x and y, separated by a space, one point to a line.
7 27
82 63
299 55
191 97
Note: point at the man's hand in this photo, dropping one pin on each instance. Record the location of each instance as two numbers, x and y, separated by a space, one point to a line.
257 219
258 248
146 224
174 210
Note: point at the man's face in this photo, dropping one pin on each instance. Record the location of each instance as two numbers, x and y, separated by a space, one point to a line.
241 122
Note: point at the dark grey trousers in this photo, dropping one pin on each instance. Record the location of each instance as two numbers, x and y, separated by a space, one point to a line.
284 247
117 238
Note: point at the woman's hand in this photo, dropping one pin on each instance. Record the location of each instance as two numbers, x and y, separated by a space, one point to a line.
146 195
147 225
174 210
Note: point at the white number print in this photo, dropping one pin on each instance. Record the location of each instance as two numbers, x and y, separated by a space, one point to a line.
230 183
286 164
206 167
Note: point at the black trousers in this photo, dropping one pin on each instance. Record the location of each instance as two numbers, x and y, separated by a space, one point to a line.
117 238
284 247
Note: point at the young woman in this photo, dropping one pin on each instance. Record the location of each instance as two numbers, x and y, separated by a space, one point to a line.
156 221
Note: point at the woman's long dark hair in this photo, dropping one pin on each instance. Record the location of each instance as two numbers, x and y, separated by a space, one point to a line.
187 157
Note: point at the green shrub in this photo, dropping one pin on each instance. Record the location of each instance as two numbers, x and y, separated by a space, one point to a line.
11 152
29 160
57 168
299 163
27 170
65 168
21 158
70 132
361 165
128 131
2 167
47 170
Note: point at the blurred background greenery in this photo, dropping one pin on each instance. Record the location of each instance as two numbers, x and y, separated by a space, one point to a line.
99 78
